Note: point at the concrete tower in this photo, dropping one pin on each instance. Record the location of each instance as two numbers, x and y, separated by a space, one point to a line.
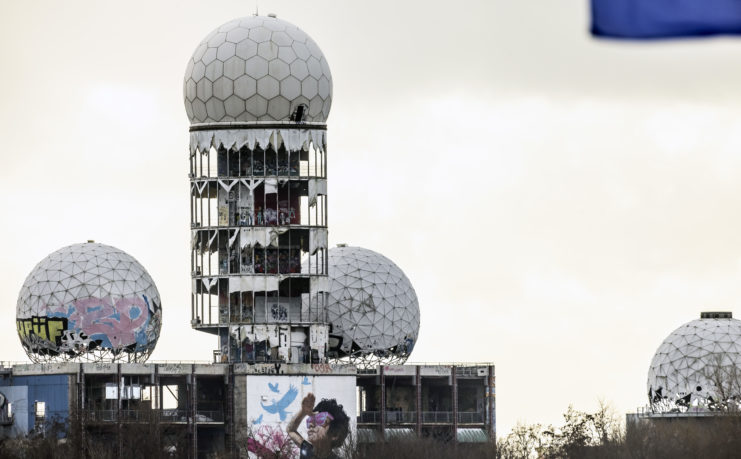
258 91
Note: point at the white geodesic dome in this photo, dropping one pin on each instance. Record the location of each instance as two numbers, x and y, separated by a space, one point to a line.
88 302
257 68
698 365
372 307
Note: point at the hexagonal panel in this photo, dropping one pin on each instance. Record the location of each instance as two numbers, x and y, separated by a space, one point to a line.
234 106
215 109
199 111
256 67
302 52
225 51
199 71
209 56
278 69
279 109
309 87
246 49
257 106
324 87
299 69
223 88
268 87
315 68
267 50
260 34
234 67
214 70
290 88
204 90
286 54
237 35
245 86
281 39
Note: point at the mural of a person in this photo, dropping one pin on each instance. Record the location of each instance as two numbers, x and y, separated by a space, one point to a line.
327 427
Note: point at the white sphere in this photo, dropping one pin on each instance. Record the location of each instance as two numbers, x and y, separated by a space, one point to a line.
88 302
697 365
372 306
257 68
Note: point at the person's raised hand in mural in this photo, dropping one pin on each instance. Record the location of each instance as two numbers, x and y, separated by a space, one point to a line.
326 426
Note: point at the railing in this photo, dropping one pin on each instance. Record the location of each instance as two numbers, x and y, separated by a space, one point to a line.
142 416
428 417
471 417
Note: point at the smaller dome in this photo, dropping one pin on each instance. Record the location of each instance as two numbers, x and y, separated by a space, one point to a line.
697 365
88 302
257 68
372 307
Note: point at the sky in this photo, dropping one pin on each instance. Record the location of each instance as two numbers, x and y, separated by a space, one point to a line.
560 203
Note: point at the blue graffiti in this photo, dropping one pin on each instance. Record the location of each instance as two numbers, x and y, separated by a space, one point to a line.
306 381
273 387
258 421
281 405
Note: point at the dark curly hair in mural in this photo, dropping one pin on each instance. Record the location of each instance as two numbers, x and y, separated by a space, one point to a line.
340 425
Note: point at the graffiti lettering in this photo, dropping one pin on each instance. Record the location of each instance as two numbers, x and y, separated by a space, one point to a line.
45 328
323 368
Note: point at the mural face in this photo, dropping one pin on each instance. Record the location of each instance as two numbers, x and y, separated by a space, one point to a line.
88 302
275 408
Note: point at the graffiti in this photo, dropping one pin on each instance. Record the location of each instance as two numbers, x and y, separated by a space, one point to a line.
279 407
323 368
129 323
306 381
273 387
279 312
76 341
45 328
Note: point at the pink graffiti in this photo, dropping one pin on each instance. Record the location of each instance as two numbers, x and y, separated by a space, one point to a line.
98 316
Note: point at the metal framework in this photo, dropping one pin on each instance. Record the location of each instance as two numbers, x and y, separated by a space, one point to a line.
697 367
373 308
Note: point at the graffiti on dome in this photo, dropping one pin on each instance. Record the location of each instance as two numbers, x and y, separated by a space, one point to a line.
128 323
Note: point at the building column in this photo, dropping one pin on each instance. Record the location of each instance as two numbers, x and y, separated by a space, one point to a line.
418 404
119 389
383 402
490 394
454 381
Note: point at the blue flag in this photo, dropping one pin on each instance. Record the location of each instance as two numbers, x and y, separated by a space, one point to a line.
644 19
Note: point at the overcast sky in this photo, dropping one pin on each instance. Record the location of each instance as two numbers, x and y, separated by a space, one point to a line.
560 204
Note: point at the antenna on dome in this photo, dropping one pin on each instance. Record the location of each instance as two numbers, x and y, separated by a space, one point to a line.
257 11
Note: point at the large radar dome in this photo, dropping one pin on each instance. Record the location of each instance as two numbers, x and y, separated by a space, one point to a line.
257 68
372 307
88 302
698 366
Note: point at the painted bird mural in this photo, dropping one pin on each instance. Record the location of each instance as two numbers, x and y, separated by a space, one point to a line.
281 405
306 381
258 420
273 387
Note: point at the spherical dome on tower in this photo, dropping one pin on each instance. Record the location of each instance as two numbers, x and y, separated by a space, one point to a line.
257 68
88 302
372 307
698 365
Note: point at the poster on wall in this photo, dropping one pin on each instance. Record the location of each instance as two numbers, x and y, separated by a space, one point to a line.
308 415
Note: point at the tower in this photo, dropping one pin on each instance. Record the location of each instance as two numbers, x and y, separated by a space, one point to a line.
258 92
